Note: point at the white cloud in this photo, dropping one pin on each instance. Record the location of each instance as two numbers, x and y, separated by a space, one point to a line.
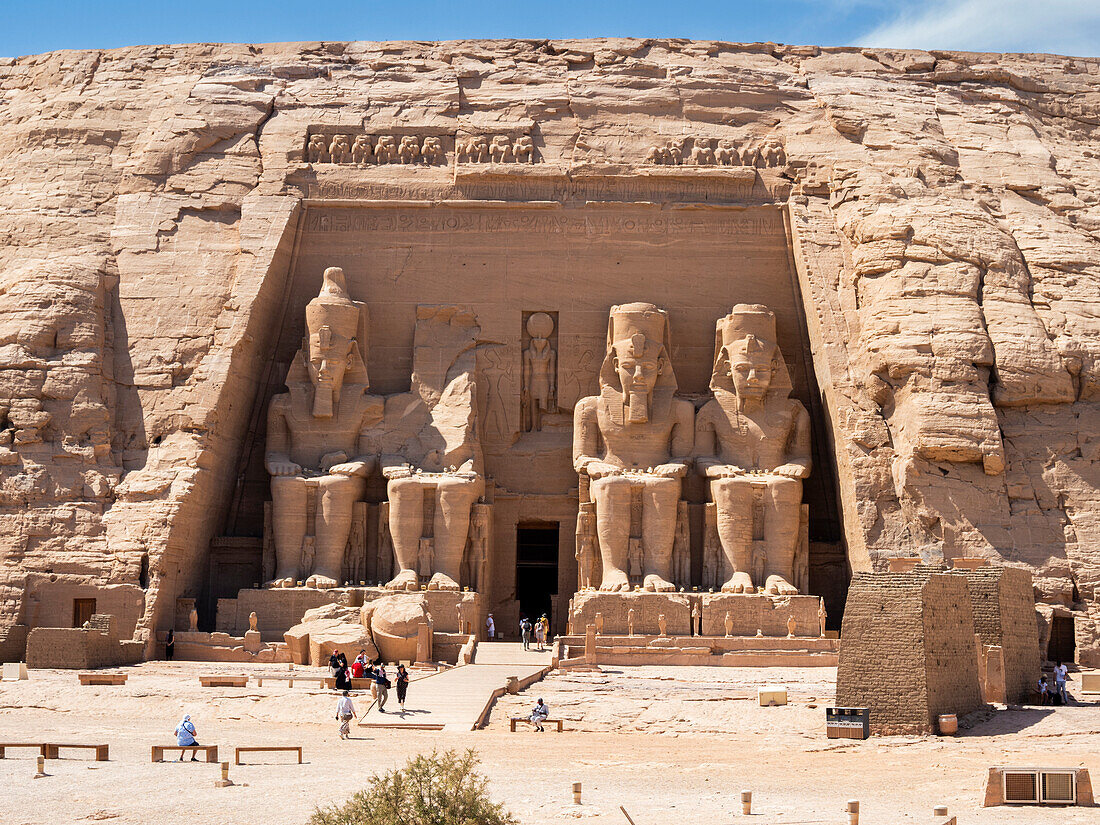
1056 26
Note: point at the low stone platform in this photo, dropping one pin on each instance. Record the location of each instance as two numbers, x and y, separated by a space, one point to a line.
720 651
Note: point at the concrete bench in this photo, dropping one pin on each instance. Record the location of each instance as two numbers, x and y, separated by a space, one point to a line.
211 751
290 680
267 749
36 745
102 678
211 680
50 750
516 719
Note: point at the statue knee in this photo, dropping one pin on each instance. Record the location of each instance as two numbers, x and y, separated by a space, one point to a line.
786 490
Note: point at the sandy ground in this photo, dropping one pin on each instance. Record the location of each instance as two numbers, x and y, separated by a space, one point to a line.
670 744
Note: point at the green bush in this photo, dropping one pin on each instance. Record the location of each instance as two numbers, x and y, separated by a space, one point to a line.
440 789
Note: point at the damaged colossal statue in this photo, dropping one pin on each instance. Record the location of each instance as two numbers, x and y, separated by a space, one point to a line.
318 437
753 444
631 444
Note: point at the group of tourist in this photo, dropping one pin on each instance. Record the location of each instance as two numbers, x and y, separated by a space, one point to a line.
540 631
1056 695
363 668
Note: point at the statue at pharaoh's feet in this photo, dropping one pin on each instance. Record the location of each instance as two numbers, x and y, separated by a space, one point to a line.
753 442
633 442
431 455
318 440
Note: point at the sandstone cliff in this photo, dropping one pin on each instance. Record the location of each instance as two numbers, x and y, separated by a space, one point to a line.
943 209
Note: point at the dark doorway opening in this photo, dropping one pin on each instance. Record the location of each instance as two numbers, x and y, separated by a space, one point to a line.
1062 646
82 611
536 570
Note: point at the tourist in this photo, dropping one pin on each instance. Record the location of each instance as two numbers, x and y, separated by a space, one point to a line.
170 645
334 662
383 686
1061 672
345 712
359 665
342 659
539 715
185 737
368 673
402 686
343 682
525 632
542 627
490 628
1044 691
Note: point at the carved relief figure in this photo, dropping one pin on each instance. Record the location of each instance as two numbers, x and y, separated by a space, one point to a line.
409 150
586 546
361 150
540 372
633 441
317 152
431 455
500 149
477 149
524 149
681 548
340 150
701 152
432 151
385 149
726 154
753 443
318 447
676 150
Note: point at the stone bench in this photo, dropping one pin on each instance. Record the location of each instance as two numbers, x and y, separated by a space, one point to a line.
359 683
290 680
36 745
513 721
102 678
211 751
50 750
267 749
213 680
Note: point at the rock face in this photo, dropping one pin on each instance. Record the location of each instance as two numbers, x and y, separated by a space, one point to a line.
941 212
326 629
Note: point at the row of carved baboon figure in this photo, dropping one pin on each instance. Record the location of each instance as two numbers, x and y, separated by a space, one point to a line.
409 149
704 152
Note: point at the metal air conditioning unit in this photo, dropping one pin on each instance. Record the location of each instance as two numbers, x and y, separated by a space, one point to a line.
1037 786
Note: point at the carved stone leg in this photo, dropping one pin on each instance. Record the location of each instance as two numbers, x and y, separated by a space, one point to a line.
733 501
660 507
288 508
452 526
612 497
406 497
336 497
783 510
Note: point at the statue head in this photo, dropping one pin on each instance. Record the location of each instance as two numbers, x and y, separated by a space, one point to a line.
636 366
330 350
747 361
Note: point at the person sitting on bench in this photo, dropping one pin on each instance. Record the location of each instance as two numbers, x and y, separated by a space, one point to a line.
539 715
185 737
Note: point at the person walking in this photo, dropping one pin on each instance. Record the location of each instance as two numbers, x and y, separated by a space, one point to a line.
185 738
525 632
1061 673
383 685
540 633
539 715
334 663
1044 691
345 712
402 686
490 628
170 645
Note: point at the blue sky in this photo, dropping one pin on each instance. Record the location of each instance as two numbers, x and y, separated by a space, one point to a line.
1062 26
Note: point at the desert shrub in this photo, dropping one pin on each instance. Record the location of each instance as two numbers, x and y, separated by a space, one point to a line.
439 789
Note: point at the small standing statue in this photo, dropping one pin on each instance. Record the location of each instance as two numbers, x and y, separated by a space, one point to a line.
729 624
630 622
586 547
822 616
662 623
792 626
696 620
599 623
193 620
253 620
539 371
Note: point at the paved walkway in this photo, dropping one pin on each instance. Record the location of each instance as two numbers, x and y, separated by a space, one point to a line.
460 697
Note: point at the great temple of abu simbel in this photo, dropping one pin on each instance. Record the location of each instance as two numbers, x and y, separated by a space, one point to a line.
667 338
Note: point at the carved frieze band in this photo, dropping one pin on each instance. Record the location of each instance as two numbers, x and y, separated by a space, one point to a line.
701 151
364 149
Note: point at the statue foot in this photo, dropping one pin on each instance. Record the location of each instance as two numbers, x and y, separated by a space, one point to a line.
614 582
441 581
405 580
655 583
282 579
779 586
739 583
322 582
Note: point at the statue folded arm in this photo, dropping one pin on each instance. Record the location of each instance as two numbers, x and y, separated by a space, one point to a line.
682 440
366 445
707 450
586 441
798 462
277 459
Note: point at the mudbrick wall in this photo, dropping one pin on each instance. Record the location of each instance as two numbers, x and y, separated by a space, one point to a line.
943 212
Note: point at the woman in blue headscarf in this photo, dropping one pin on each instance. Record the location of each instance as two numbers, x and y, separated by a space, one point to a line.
185 737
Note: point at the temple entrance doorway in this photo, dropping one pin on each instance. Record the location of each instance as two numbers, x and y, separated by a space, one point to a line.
1062 645
537 569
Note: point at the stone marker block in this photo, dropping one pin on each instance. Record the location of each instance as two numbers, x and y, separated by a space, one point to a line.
772 695
15 671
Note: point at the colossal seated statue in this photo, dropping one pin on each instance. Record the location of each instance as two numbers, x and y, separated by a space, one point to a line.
318 439
753 442
431 455
633 442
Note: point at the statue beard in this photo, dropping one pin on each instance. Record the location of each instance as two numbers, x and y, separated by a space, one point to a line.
323 391
637 408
